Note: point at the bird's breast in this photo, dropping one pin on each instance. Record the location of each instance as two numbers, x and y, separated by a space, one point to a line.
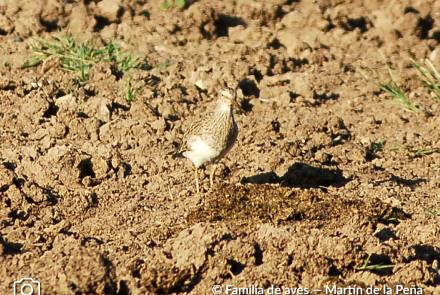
200 150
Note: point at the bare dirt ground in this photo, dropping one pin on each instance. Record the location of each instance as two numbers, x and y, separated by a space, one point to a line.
92 203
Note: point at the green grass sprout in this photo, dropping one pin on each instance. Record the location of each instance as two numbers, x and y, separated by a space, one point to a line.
79 57
130 91
167 5
429 77
372 267
163 66
391 87
180 3
377 146
413 153
176 4
434 213
387 220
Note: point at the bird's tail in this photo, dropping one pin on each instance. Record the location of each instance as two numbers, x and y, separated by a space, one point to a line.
176 151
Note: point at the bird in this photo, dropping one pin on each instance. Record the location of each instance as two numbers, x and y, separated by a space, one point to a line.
209 138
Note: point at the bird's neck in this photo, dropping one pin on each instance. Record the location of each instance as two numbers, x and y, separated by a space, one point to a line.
224 108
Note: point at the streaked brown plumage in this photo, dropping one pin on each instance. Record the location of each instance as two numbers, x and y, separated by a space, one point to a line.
209 139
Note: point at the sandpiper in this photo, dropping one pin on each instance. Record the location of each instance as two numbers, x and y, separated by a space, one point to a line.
209 139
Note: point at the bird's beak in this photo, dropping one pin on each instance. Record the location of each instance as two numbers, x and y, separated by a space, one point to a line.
235 103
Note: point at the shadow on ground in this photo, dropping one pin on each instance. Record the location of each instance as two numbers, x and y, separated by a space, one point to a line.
301 175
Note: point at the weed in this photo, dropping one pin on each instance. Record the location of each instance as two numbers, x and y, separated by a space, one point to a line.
78 58
434 213
163 66
387 220
175 4
71 90
429 77
392 88
131 92
413 153
372 267
377 146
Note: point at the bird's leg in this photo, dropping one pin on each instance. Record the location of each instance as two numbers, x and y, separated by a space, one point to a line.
197 179
211 177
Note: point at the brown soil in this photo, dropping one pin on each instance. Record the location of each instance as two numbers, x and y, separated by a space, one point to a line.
92 203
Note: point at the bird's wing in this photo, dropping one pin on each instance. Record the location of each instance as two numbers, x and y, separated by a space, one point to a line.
193 129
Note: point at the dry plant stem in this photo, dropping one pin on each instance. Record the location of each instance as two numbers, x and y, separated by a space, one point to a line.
211 176
197 179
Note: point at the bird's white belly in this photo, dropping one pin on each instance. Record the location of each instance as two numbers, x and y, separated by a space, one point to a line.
199 151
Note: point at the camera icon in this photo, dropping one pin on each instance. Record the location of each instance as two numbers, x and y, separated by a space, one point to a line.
26 286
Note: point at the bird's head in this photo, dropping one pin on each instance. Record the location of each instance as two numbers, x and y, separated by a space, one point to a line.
228 96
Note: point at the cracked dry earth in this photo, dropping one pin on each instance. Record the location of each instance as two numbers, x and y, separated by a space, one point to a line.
92 203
